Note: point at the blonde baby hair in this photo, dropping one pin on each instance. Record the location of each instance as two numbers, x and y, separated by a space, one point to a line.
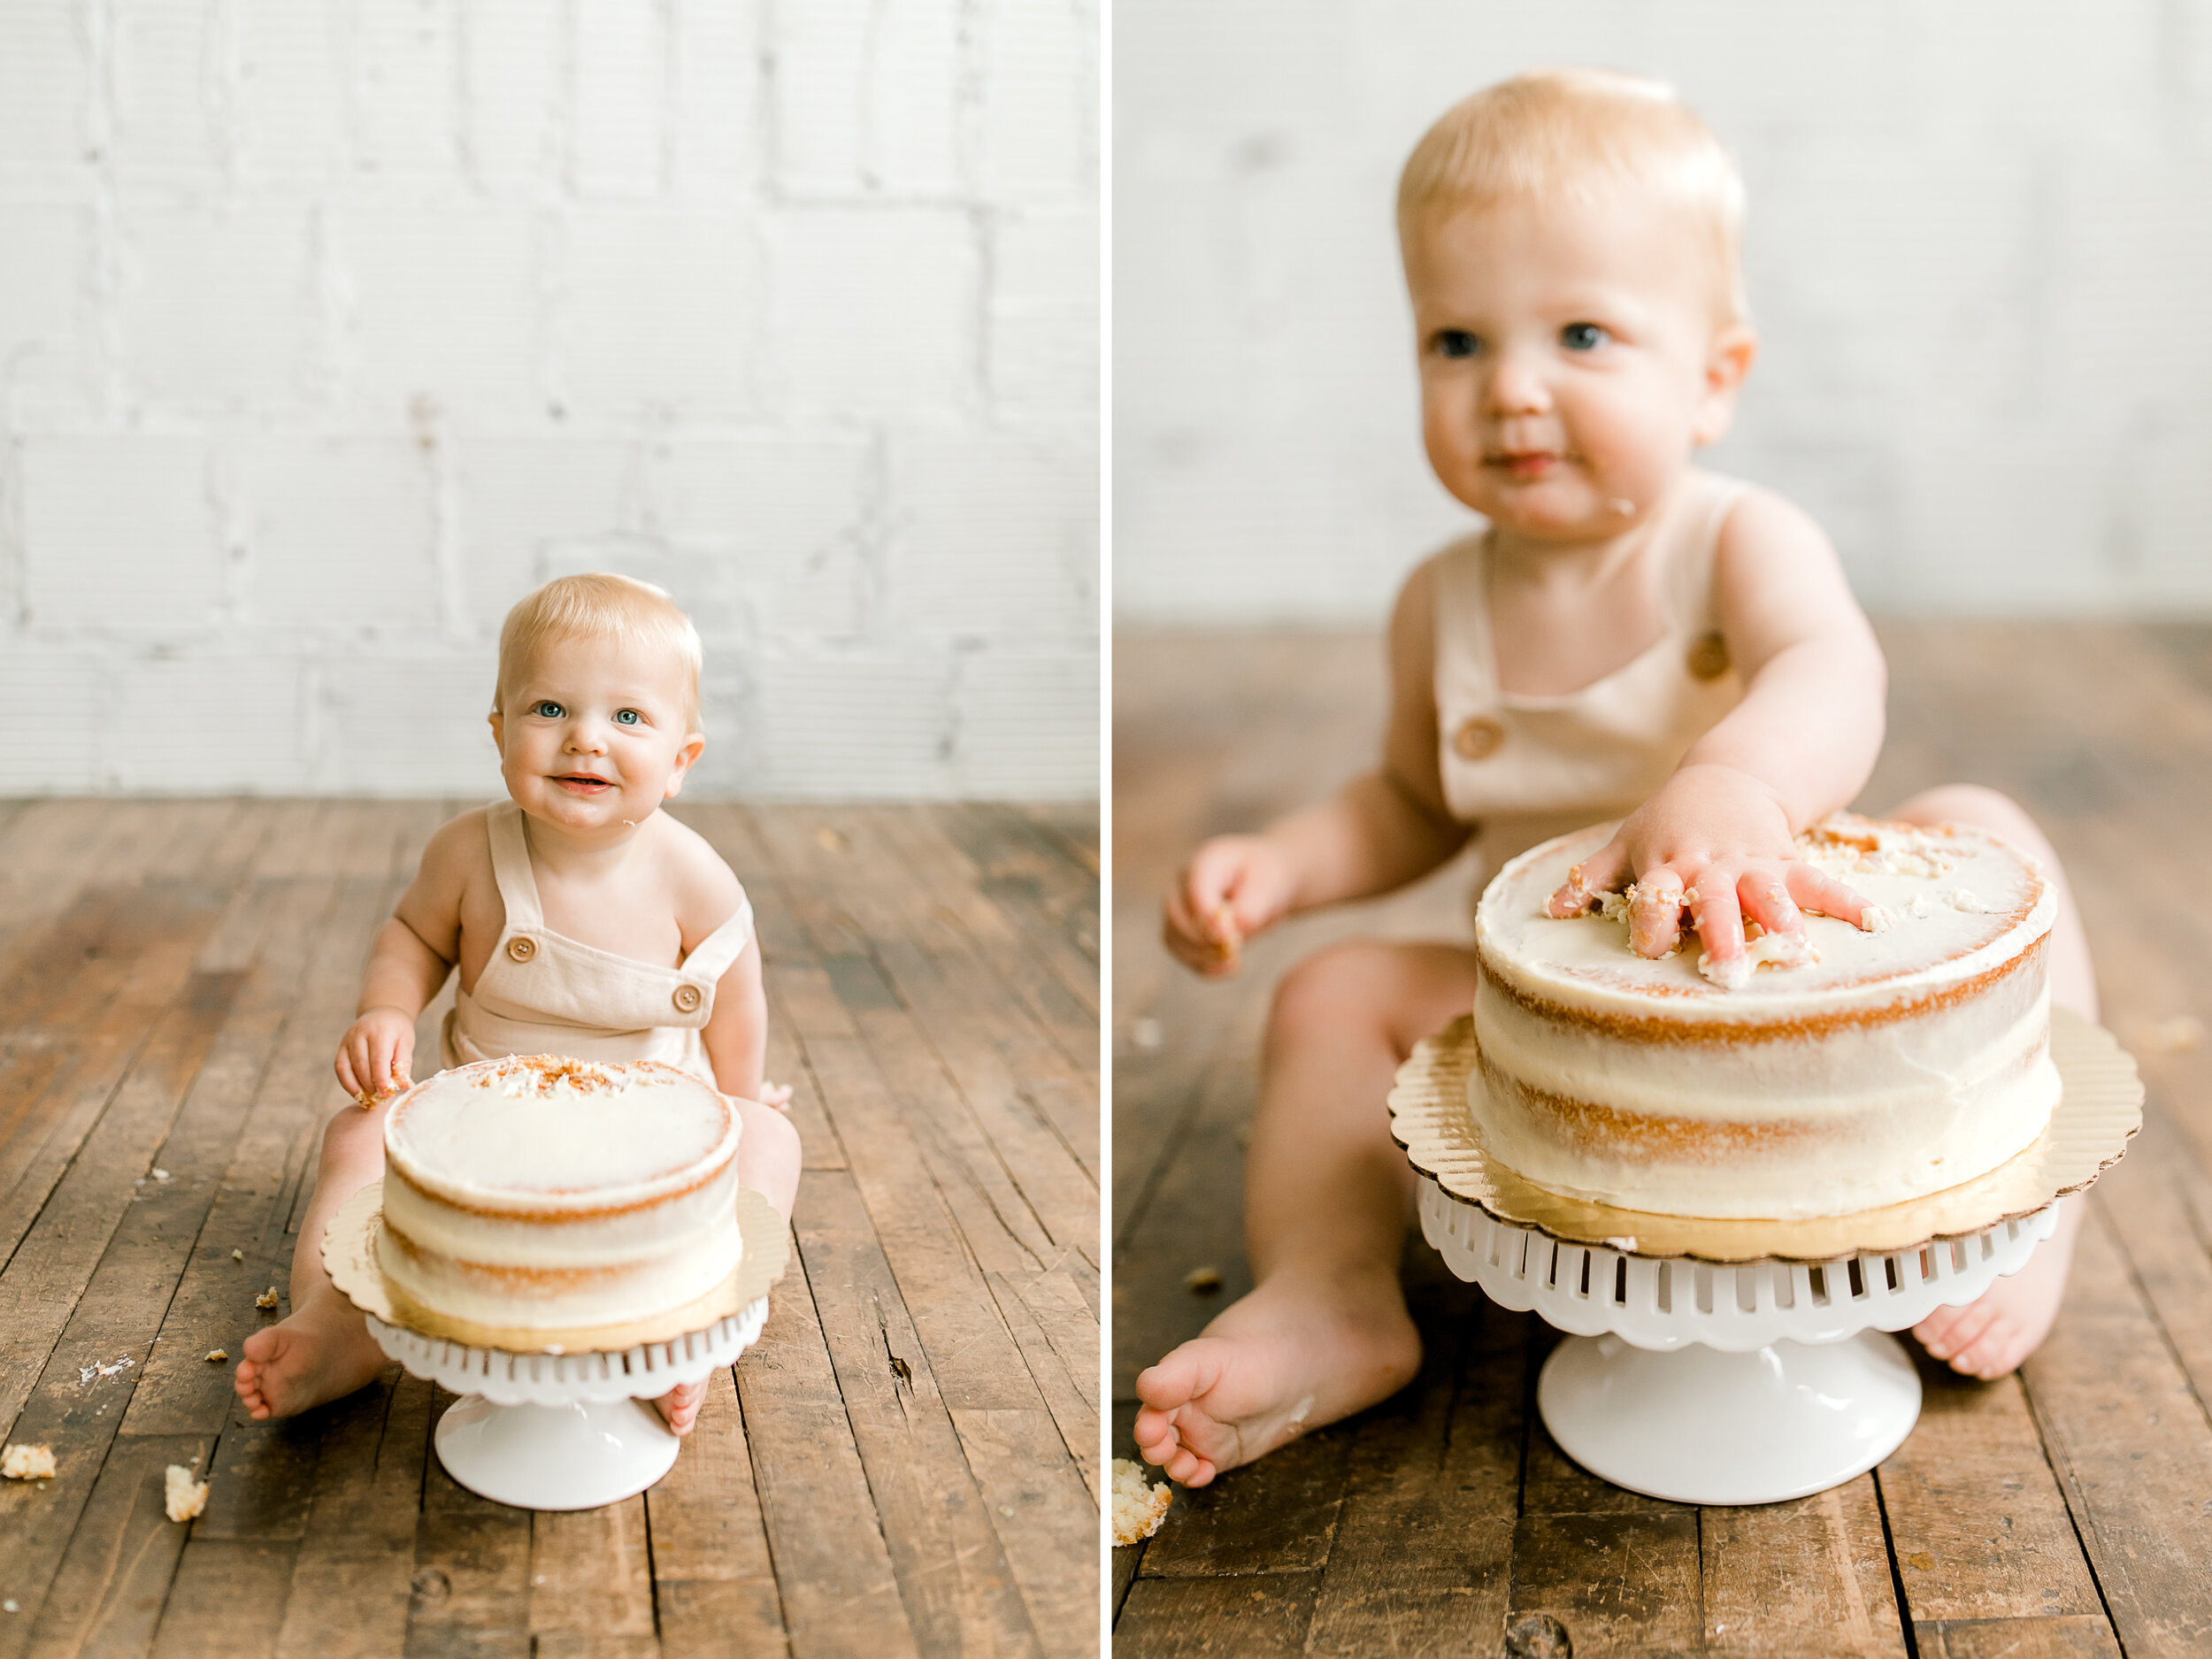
600 605
1577 134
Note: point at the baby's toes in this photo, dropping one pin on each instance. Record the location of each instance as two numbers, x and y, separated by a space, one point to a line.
1950 1331
1994 1353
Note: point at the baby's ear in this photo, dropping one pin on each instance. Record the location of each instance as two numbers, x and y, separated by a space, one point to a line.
1727 362
687 757
499 734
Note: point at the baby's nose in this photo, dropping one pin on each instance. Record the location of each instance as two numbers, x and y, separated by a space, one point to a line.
1515 387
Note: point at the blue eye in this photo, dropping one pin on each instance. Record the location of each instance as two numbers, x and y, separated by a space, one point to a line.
1583 336
1457 342
628 716
546 709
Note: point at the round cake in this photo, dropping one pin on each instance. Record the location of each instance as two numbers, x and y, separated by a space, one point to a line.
1904 1059
546 1194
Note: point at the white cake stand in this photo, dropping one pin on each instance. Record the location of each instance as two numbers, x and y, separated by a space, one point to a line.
1741 1361
563 1431
1744 1383
558 1420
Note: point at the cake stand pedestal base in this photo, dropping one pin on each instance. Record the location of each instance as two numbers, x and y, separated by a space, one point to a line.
576 1455
1699 1425
563 1431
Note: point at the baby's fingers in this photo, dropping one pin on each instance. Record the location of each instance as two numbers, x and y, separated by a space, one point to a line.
1765 896
1191 943
1719 923
1655 912
1817 891
1600 872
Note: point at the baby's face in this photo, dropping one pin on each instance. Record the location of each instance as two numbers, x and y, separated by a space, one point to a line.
593 734
1570 360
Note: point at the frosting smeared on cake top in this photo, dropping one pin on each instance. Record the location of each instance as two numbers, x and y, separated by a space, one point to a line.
1943 894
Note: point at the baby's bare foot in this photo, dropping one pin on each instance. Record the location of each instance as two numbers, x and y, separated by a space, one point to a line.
1296 1353
1991 1335
679 1406
321 1352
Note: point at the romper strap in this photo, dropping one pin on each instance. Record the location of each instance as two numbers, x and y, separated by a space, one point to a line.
510 867
722 947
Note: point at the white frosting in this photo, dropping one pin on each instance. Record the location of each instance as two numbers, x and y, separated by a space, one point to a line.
1871 1073
545 1193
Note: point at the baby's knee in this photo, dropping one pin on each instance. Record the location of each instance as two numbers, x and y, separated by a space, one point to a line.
768 1154
1329 987
1982 808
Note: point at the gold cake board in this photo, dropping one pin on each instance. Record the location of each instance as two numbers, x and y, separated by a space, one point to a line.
349 1256
2101 1106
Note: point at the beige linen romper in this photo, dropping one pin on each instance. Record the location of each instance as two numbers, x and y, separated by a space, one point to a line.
542 994
1523 769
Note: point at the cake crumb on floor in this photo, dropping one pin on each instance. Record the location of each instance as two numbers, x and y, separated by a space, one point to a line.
1138 1507
267 1299
181 1495
27 1463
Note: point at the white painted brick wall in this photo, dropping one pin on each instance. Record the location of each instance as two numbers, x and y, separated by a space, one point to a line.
1980 236
328 329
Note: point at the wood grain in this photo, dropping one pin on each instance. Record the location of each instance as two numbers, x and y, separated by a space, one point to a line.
174 978
2059 1512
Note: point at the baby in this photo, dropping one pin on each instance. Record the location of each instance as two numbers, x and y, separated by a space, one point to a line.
1629 638
596 718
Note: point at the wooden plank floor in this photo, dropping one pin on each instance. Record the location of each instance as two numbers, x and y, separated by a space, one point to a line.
904 1464
2067 1511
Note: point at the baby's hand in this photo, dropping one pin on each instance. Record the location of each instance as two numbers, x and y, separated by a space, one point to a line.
1714 840
1234 888
374 1053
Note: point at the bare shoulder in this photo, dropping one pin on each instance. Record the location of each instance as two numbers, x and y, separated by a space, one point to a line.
1767 531
456 857
706 890
1778 579
451 882
1410 740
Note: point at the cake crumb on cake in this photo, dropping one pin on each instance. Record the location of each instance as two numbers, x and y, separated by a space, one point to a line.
26 1462
1138 1506
182 1496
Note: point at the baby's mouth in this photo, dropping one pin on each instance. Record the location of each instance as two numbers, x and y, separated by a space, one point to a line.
583 782
1525 463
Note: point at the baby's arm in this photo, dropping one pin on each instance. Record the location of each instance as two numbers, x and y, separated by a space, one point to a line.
1384 829
1717 836
408 961
736 1032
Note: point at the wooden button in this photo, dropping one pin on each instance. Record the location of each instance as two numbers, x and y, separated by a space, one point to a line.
1708 657
687 998
1478 738
522 948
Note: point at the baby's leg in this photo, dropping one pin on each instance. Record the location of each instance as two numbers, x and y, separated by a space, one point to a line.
324 1350
1325 1332
1992 1335
767 1162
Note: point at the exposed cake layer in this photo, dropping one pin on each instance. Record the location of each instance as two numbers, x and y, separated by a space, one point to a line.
1900 1062
548 1194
